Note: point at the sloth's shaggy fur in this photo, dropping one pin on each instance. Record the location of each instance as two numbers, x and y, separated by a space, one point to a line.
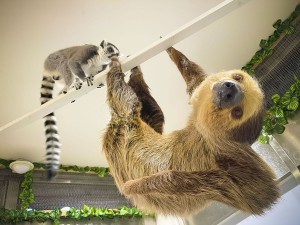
208 160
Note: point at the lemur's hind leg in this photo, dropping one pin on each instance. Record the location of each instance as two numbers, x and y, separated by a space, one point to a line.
151 113
192 73
68 79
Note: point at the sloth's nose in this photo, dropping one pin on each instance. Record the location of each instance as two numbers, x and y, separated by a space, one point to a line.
227 94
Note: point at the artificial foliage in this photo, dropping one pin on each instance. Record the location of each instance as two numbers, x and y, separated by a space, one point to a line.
277 116
285 27
56 216
274 123
100 171
284 107
26 196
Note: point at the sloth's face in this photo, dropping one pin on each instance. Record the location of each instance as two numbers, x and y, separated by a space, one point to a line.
229 102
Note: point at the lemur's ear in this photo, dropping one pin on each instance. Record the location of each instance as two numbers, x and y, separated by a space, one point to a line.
103 43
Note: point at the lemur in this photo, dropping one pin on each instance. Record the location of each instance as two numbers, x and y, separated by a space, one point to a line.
210 159
70 66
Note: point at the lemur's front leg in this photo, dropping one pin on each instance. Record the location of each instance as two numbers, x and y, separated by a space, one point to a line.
192 73
76 69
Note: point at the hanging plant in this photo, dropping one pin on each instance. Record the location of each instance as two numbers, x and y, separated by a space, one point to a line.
13 216
284 107
100 171
277 116
26 196
266 46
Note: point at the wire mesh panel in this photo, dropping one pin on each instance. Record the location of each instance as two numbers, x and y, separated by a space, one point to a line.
276 73
9 189
76 190
3 187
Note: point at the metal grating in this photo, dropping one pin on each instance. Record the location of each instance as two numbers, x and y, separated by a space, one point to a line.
76 190
3 187
276 73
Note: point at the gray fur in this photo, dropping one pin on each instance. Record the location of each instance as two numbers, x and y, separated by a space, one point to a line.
71 66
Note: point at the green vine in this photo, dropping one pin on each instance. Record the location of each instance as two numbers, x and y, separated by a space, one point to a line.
14 216
267 45
26 196
284 107
100 171
277 116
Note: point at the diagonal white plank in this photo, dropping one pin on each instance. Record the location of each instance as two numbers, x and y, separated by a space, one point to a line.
178 35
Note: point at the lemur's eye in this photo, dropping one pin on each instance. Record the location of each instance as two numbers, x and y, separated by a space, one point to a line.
110 49
237 112
238 77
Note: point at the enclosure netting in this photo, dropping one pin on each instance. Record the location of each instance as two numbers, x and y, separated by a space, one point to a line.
276 73
76 190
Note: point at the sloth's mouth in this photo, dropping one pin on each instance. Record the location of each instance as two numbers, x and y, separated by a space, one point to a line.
227 94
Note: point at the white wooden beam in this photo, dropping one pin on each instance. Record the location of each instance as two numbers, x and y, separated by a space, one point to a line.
178 35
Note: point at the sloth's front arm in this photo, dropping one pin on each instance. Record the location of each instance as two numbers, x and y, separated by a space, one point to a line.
192 73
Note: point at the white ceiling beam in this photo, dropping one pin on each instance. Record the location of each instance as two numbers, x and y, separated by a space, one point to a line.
160 45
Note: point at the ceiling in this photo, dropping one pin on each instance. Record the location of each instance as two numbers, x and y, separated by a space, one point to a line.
32 29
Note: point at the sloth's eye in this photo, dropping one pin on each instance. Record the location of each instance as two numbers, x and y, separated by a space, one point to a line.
237 112
238 77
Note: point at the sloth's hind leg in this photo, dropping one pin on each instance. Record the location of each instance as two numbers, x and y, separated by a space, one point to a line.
151 113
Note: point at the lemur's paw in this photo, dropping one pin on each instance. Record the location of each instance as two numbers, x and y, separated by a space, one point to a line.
78 85
63 91
89 81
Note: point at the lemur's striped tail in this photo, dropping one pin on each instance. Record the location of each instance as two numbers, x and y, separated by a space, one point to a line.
52 137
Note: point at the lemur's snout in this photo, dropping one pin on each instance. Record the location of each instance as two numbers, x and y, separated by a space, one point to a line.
227 94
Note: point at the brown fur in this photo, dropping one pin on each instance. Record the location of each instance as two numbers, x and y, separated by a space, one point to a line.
210 159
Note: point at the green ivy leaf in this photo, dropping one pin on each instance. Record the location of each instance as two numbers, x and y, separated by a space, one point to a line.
263 44
276 98
277 24
290 30
279 112
279 129
294 104
263 139
281 120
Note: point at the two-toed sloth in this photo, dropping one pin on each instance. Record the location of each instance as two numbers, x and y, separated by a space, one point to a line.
210 159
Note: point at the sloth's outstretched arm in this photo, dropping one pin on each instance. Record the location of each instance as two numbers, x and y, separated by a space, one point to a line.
192 73
121 97
207 183
214 184
151 113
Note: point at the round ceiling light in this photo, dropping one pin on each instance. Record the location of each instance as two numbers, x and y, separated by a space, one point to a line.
21 166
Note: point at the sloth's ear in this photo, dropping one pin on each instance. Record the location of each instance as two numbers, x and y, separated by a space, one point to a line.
249 131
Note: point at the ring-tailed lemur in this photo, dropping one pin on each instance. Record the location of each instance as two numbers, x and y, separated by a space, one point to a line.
71 66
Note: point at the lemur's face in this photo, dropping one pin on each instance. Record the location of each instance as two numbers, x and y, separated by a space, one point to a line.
109 49
230 102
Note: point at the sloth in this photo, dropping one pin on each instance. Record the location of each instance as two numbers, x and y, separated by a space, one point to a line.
210 159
